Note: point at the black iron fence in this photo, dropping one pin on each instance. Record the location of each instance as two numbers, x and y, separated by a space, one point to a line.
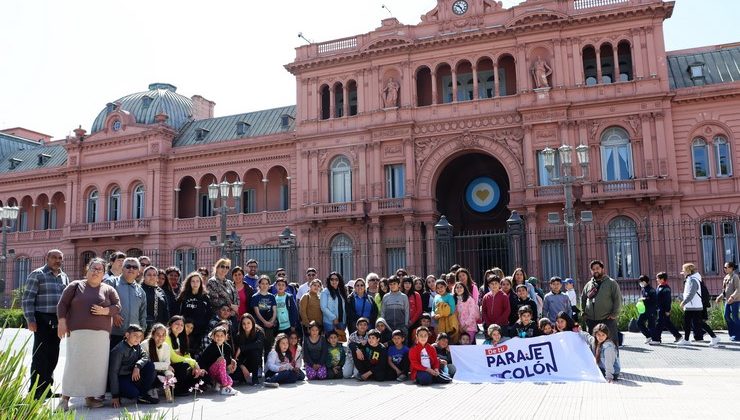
628 248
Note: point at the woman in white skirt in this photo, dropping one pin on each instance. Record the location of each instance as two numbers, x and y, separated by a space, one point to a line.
85 314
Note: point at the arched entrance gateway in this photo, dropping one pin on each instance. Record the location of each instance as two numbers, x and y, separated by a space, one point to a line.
471 188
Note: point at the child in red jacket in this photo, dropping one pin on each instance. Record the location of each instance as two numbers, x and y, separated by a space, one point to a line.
424 361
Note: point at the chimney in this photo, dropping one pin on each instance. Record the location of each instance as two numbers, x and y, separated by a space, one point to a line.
202 108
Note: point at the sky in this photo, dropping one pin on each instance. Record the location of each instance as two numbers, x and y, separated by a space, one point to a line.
62 61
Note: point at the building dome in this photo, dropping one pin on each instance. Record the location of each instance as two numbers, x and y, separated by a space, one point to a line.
143 106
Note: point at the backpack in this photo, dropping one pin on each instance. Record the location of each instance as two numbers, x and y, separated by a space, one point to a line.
706 301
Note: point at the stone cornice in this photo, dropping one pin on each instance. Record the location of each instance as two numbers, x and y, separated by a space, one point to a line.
276 158
707 93
122 140
466 37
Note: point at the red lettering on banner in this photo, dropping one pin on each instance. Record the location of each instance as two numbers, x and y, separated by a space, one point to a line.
496 350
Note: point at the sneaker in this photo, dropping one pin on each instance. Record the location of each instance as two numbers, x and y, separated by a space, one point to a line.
654 343
93 402
647 341
714 342
146 399
154 393
63 405
401 378
678 340
217 388
271 384
228 391
683 343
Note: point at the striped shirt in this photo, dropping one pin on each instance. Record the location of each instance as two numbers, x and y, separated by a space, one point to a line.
42 293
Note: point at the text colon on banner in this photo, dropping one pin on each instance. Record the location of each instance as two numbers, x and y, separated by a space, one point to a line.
558 357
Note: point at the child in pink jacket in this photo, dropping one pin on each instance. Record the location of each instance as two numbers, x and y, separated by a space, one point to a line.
468 312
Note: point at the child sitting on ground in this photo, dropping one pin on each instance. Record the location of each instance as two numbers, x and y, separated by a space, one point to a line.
525 327
281 367
218 359
314 352
494 336
465 338
385 332
336 356
130 372
356 339
374 359
424 361
398 359
442 347
604 350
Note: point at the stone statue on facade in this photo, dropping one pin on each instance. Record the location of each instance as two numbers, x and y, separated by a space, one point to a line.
540 72
390 94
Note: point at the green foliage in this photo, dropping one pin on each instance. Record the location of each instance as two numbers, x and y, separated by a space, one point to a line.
11 318
150 415
716 320
15 402
17 296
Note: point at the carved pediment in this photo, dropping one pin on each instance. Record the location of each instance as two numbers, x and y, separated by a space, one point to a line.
387 42
537 17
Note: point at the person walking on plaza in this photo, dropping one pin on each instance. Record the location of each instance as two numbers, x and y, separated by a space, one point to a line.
601 300
42 292
664 298
693 306
646 320
730 288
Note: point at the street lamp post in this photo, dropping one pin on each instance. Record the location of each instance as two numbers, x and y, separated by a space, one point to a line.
7 214
216 191
567 179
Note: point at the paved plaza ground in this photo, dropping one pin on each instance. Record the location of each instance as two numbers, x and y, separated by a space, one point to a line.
695 382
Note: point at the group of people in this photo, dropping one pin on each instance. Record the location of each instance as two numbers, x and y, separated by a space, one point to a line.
136 331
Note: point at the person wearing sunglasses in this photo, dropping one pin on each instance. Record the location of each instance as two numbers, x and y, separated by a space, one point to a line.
303 289
221 290
133 300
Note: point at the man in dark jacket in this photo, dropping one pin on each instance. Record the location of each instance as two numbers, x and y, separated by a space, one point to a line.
648 317
664 298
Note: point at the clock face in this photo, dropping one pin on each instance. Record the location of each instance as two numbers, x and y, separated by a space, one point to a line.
460 7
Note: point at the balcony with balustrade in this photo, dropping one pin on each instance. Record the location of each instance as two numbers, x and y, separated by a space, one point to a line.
386 206
136 227
234 221
637 188
346 210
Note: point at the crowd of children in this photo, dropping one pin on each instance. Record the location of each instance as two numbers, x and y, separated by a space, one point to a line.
397 328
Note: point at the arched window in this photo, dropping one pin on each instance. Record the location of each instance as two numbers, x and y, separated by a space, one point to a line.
138 202
114 204
340 183
623 248
708 248
722 156
352 96
624 55
338 100
341 255
700 154
324 100
92 206
506 76
616 155
589 65
423 86
607 64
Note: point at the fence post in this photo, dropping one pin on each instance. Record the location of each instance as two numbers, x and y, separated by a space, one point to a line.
288 254
517 242
445 245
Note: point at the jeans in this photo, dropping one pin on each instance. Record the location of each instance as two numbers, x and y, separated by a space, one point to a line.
649 319
733 323
664 322
692 320
130 389
45 352
286 377
424 378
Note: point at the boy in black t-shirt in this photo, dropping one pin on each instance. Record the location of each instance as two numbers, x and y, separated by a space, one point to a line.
373 364
525 327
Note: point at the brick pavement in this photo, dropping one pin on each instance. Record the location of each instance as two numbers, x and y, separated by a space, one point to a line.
696 382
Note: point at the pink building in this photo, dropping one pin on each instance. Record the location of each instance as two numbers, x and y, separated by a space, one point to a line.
398 126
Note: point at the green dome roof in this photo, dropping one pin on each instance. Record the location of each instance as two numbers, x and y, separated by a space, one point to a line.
143 106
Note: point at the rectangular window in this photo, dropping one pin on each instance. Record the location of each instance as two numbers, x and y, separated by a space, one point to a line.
185 260
617 162
45 219
206 208
553 258
701 160
709 248
22 270
284 197
729 241
394 181
92 210
250 200
544 176
724 160
395 258
23 221
53 218
268 257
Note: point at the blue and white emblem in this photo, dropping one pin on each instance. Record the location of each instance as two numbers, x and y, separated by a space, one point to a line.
482 194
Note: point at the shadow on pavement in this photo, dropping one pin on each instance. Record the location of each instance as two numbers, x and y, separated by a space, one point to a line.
631 379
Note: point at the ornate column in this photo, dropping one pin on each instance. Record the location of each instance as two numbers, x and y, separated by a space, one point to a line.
475 82
434 87
454 86
495 80
616 63
598 66
638 65
345 100
332 103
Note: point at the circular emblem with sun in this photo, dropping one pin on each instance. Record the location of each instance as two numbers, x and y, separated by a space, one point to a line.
482 194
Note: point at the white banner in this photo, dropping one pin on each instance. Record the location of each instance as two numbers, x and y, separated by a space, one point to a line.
553 358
